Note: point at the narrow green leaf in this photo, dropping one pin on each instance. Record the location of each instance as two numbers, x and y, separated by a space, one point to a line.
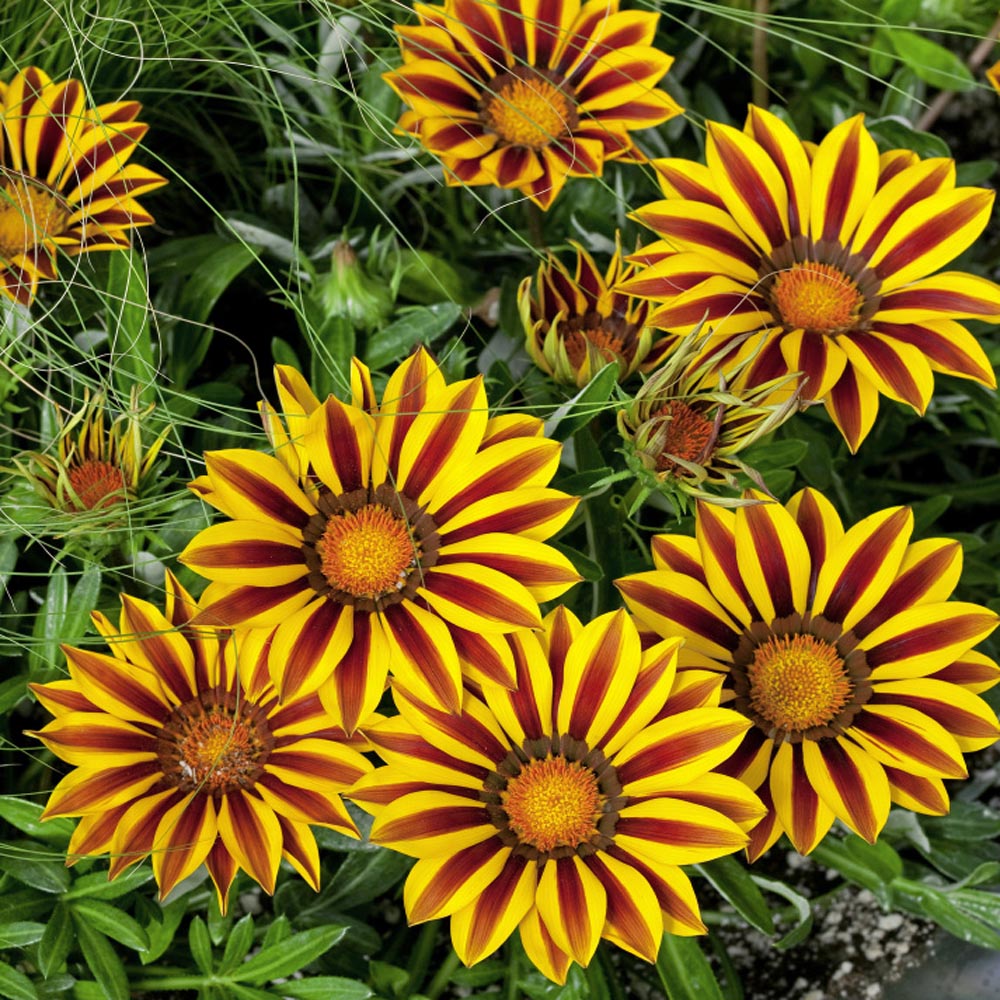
284 354
733 882
420 325
803 910
201 945
290 955
933 63
161 923
364 875
684 970
103 961
16 985
240 940
218 924
24 904
20 933
82 601
26 863
280 930
111 920
96 885
584 406
965 821
128 321
47 630
325 988
12 690
56 941
834 854
927 901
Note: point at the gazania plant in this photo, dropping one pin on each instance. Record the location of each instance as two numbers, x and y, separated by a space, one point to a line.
459 549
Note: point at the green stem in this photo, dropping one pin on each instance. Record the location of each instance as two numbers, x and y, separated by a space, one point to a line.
443 975
513 973
420 957
535 230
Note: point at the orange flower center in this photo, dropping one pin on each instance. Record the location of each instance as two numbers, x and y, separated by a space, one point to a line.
368 552
599 341
528 110
816 297
96 484
29 214
553 803
688 435
214 744
797 682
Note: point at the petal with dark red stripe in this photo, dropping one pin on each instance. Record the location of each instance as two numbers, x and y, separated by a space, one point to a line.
432 825
252 835
851 783
257 487
572 903
844 177
633 920
683 833
438 887
901 737
802 813
247 553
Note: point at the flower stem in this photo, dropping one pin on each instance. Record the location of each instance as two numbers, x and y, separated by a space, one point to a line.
443 975
420 957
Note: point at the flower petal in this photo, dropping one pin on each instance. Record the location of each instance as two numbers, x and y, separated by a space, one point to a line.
439 887
252 835
802 813
572 903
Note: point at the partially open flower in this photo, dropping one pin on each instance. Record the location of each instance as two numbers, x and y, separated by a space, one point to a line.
93 467
64 178
576 324
686 425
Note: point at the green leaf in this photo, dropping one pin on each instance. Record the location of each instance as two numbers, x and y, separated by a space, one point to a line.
733 882
590 569
218 924
331 357
111 920
684 970
97 885
325 988
803 910
420 325
12 691
24 904
128 323
966 821
161 925
362 876
103 961
835 854
776 454
896 133
16 985
20 933
933 63
56 941
584 406
389 979
290 955
26 863
490 971
284 354
926 901
974 172
201 945
43 656
881 55
280 930
240 940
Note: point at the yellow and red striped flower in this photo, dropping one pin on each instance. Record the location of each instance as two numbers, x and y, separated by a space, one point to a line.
94 468
64 178
407 536
828 254
576 324
522 95
182 752
841 647
566 806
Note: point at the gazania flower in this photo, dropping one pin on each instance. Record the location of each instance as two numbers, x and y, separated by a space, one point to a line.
686 427
566 806
94 467
408 536
182 752
576 324
829 256
64 179
841 648
523 96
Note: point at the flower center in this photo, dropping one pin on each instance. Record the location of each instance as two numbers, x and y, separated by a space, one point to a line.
798 682
687 435
368 552
553 803
816 297
96 484
29 214
215 744
525 109
607 346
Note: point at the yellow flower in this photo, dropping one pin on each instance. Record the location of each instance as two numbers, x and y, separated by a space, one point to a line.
841 647
522 96
828 255
565 807
182 752
64 179
408 534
